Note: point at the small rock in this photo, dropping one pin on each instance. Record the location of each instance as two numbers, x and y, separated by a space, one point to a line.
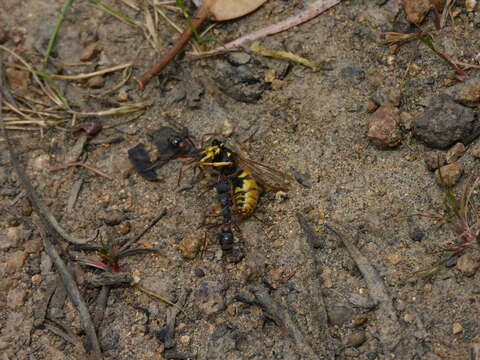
388 96
360 320
120 165
76 150
468 264
6 242
33 246
96 82
281 196
476 150
25 207
122 95
470 5
45 263
123 228
383 127
406 120
339 315
466 92
450 174
112 217
409 318
210 297
190 245
36 279
457 328
16 233
227 128
16 297
355 338
370 106
446 123
41 162
416 10
417 234
238 58
199 272
15 262
433 160
90 51
18 79
455 153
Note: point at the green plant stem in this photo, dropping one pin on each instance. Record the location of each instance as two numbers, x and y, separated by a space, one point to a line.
54 35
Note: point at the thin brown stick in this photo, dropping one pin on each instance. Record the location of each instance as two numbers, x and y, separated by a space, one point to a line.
79 163
92 345
309 13
388 328
143 232
198 18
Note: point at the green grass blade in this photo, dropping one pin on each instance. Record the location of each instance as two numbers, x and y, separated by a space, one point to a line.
56 29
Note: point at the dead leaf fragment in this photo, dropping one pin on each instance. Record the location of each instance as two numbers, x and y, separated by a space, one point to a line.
222 10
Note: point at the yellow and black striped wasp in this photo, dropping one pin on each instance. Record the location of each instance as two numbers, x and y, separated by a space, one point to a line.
248 177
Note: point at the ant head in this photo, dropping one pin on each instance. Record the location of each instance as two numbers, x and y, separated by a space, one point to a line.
216 142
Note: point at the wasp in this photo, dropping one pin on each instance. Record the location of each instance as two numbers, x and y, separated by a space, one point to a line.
248 177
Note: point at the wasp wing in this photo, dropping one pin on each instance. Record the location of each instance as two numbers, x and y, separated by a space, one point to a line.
268 177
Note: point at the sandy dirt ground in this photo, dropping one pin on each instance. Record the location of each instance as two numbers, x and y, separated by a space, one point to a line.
313 123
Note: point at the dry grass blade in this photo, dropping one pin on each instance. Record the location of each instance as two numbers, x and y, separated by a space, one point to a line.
255 47
92 74
116 13
159 297
121 110
395 38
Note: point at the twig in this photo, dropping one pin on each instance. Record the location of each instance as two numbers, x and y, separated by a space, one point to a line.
312 241
47 218
92 345
281 316
72 199
198 18
101 306
66 334
143 232
172 313
388 325
158 297
79 163
309 13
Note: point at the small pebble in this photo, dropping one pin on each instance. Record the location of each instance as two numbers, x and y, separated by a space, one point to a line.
15 262
355 338
238 58
457 328
466 92
36 279
16 297
33 246
41 162
111 217
455 153
370 106
122 96
281 196
25 207
123 228
339 315
434 159
409 318
18 79
416 10
96 82
468 264
90 51
417 234
190 245
450 174
199 272
383 128
470 5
